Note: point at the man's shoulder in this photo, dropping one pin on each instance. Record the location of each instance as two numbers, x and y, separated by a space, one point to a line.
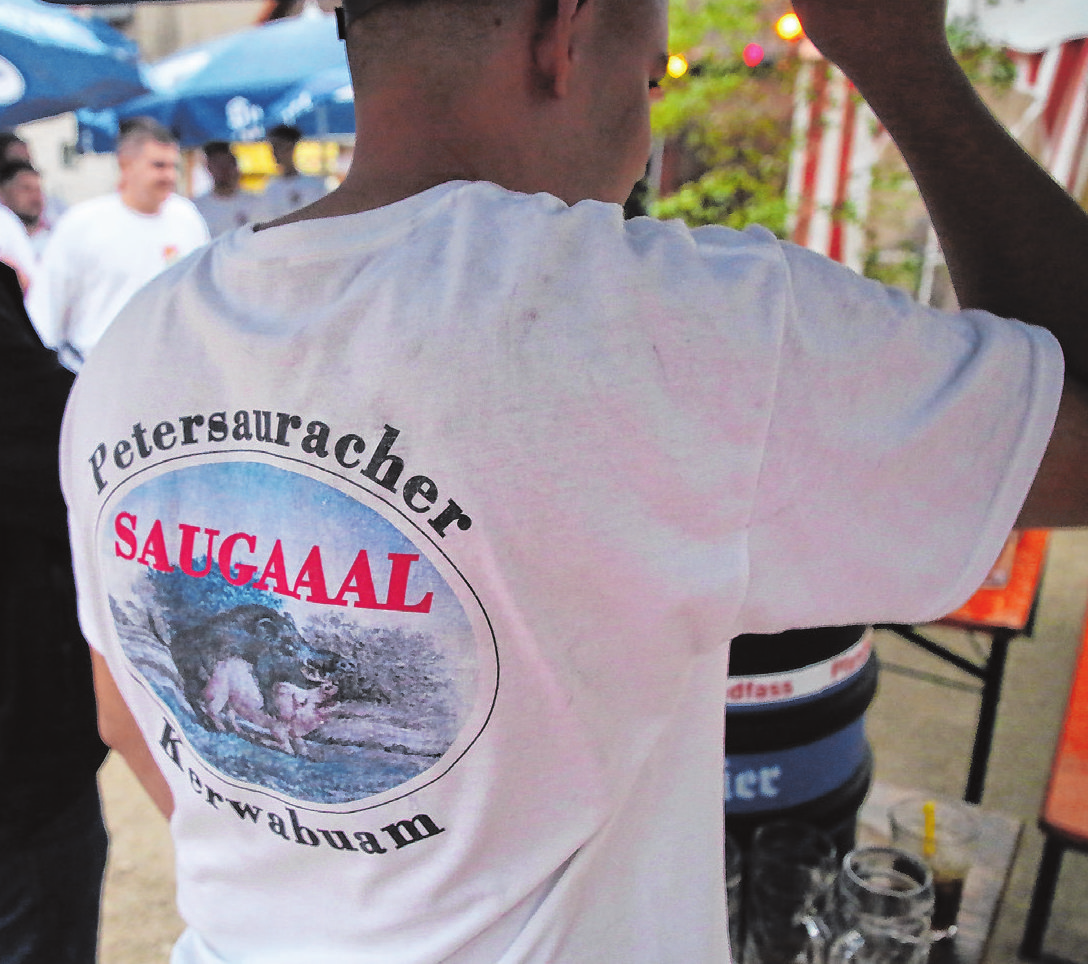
94 205
180 214
176 204
89 211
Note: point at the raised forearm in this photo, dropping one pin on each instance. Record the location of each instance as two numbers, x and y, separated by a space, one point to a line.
1015 242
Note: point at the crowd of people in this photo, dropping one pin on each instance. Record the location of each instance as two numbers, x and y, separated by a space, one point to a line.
73 269
78 267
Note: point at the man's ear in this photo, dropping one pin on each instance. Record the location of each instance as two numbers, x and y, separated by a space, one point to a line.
554 46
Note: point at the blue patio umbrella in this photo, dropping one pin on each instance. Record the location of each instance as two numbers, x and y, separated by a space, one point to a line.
322 105
221 89
52 61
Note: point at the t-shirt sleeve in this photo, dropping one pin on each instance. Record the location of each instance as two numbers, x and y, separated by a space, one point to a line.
902 444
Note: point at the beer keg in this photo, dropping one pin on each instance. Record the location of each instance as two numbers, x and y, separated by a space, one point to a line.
795 743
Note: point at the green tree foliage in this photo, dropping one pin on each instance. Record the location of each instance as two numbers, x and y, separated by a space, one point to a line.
729 122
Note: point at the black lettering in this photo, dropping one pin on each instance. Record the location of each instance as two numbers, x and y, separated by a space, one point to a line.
163 435
316 441
381 459
188 423
303 835
424 488
213 797
452 513
169 743
405 832
276 825
263 422
139 435
245 810
97 460
368 843
284 422
218 430
345 442
122 454
242 431
336 839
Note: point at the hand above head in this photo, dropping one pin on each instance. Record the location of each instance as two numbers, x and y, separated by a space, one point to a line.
874 39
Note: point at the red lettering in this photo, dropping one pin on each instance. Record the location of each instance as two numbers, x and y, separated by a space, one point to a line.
276 569
125 527
154 554
188 537
309 583
398 586
360 583
312 577
226 564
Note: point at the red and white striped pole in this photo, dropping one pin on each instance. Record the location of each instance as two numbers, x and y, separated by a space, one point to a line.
831 165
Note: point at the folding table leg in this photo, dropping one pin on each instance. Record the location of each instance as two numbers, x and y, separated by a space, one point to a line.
992 678
1042 897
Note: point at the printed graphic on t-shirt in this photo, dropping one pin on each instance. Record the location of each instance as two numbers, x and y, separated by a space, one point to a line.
307 638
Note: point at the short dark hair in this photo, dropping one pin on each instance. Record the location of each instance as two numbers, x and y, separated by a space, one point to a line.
9 170
213 148
286 132
7 138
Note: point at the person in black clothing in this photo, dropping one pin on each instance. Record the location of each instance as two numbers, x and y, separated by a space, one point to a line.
52 837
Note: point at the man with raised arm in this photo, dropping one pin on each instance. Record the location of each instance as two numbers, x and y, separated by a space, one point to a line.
412 529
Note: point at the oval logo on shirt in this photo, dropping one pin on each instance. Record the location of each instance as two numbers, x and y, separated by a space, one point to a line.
306 637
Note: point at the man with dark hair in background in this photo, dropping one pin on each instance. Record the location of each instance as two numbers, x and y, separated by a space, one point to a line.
21 193
226 206
14 148
105 249
411 593
291 189
52 838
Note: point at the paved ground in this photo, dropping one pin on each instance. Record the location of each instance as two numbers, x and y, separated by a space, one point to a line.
921 727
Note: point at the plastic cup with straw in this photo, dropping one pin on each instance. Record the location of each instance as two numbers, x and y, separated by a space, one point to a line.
943 834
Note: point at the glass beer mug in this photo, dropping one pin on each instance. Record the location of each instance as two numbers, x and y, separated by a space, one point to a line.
884 907
790 875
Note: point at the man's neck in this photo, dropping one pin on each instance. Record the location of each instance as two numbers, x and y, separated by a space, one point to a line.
140 205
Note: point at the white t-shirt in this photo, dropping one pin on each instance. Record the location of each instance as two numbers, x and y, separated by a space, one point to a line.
284 194
100 253
15 247
223 214
420 581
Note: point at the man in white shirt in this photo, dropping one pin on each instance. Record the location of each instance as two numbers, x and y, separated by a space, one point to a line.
411 594
226 206
292 189
103 250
